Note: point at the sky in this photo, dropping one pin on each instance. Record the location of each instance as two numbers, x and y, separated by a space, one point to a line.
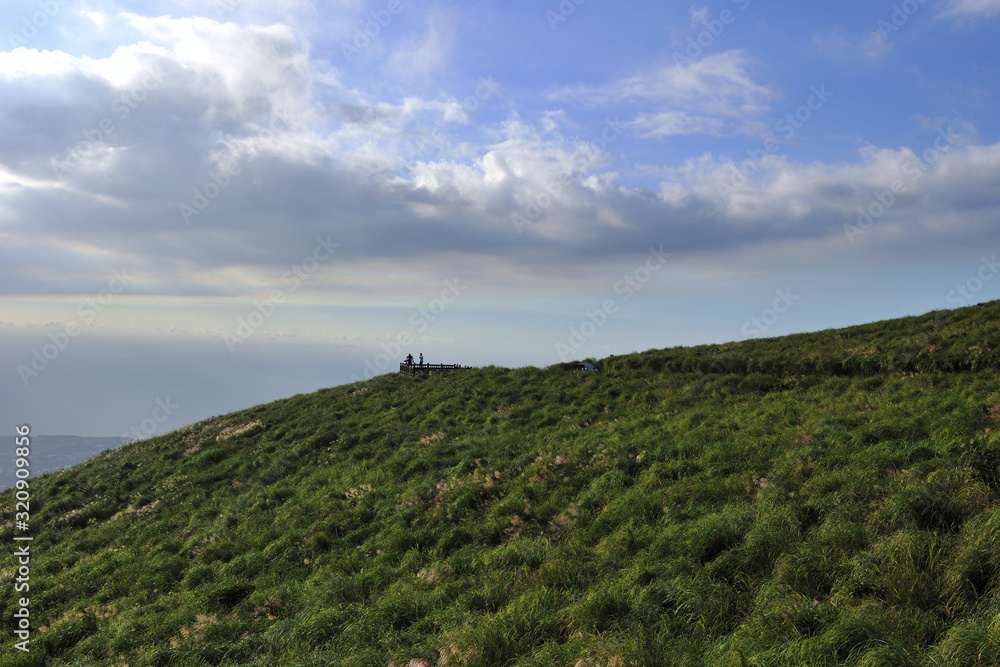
210 204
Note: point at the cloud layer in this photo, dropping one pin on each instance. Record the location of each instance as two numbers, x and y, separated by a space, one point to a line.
207 156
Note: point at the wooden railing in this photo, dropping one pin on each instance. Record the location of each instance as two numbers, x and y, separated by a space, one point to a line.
427 369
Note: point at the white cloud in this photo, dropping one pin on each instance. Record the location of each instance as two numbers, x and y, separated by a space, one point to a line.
249 69
715 95
99 19
23 63
780 200
670 123
872 45
227 10
972 8
426 53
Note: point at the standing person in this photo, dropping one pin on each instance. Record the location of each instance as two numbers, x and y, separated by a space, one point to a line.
409 360
421 358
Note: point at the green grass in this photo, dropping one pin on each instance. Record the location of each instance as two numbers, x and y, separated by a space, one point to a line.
816 499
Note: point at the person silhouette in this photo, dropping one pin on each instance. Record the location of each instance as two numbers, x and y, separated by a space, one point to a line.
421 358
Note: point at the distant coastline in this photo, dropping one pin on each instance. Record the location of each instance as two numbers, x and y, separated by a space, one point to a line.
52 452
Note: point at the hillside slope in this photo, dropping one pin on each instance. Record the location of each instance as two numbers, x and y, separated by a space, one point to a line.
821 499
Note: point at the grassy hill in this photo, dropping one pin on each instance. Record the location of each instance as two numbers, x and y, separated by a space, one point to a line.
816 499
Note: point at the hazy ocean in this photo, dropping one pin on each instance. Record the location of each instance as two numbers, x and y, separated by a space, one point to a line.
49 453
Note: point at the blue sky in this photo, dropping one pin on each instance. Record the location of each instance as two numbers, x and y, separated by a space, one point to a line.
208 204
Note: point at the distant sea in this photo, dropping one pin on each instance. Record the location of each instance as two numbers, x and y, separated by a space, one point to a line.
50 453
